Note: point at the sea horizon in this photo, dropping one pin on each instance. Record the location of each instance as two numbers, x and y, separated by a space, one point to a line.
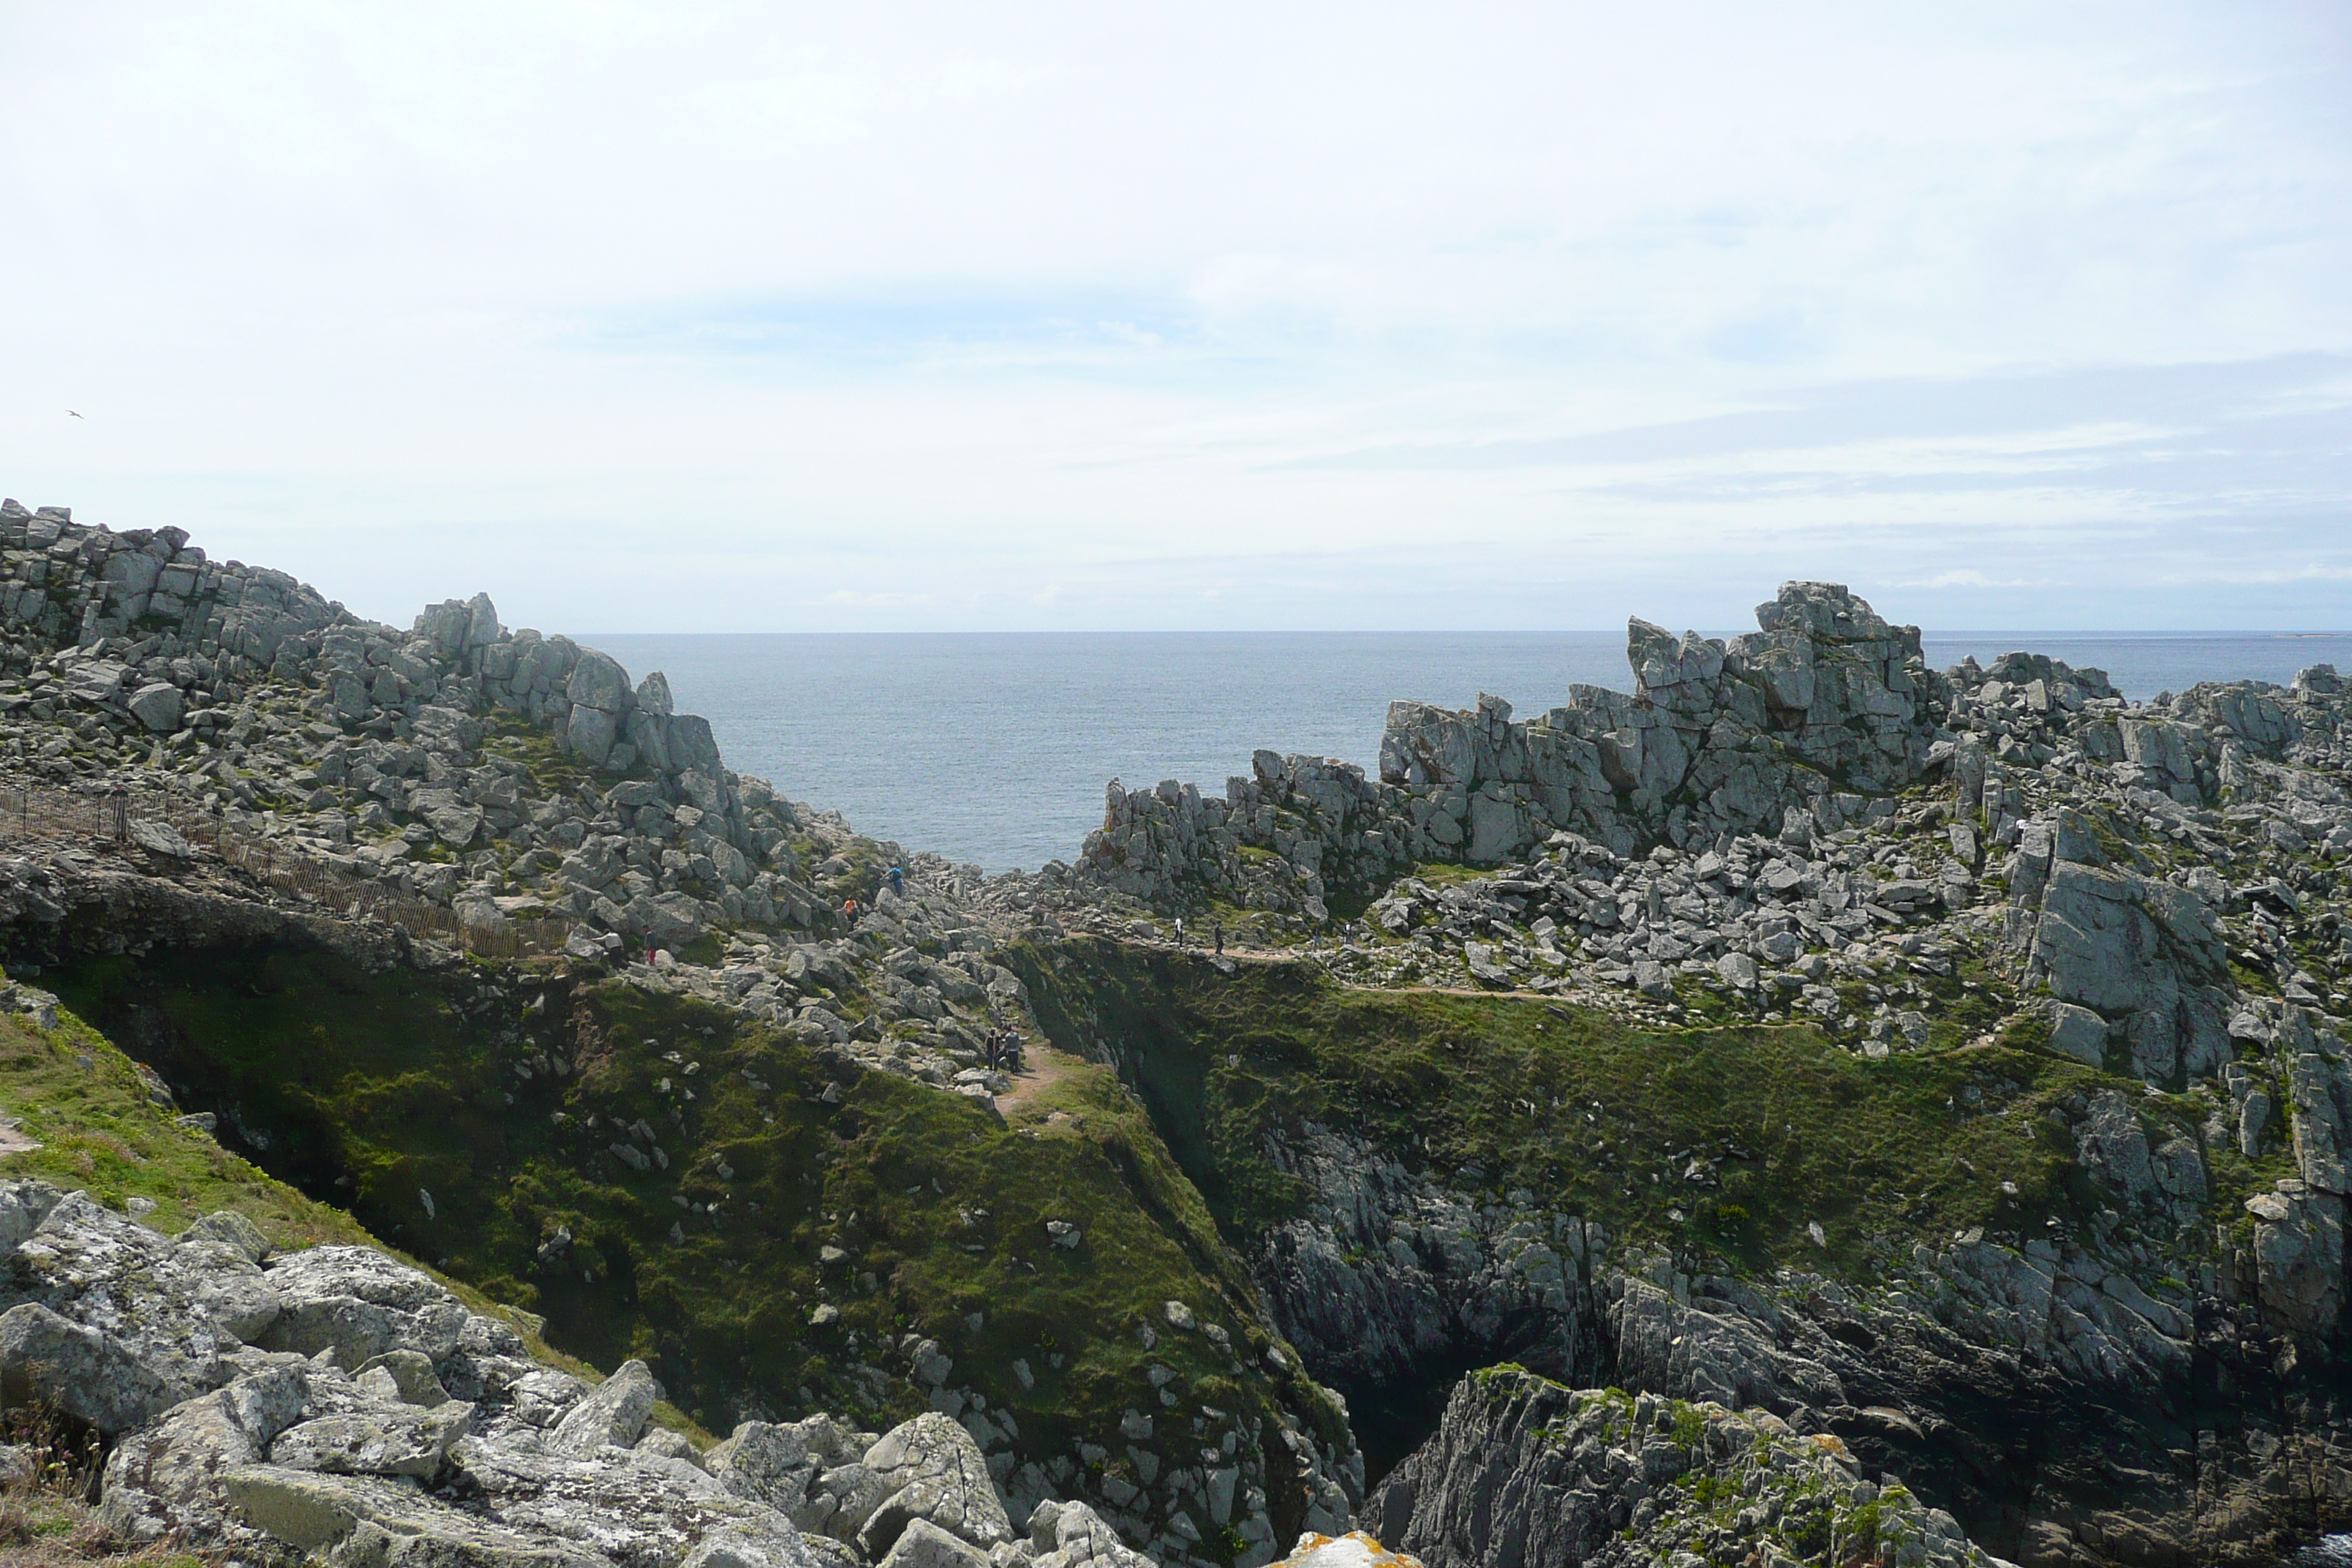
993 748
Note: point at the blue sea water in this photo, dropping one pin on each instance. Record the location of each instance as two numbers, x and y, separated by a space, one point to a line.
995 748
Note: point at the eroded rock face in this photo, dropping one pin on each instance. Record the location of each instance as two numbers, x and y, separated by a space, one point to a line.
1384 1276
2136 961
1524 1471
1826 699
1992 1373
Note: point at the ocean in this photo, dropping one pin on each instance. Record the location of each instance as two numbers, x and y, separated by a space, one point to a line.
995 748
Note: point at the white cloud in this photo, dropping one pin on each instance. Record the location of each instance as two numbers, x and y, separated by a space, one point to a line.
1966 577
2308 573
703 315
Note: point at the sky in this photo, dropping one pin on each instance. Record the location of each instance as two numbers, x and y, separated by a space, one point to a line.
683 317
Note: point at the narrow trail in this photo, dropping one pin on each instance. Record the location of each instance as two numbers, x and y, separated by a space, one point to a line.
1043 1066
1274 956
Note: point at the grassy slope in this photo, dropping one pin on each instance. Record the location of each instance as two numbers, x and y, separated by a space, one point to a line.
1584 1113
84 1102
396 1082
99 1132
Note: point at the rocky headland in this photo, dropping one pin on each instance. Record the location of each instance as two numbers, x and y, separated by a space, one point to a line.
1813 1108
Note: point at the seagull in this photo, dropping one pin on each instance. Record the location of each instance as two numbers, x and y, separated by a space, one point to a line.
76 416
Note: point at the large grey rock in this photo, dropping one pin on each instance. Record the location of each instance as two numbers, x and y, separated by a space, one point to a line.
2079 1032
169 1307
360 1304
362 1273
632 1508
736 1549
540 1396
2320 1115
22 1206
382 1440
159 838
406 1375
612 1414
2142 951
370 1519
167 1477
88 1374
158 706
2113 1147
590 734
454 821
598 681
780 1465
1072 1535
672 920
234 1292
932 1469
97 682
845 1496
923 1544
2299 1258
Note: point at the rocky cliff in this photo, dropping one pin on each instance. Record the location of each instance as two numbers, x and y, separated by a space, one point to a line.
498 771
767 1157
1526 1471
2097 1315
1924 1091
1823 708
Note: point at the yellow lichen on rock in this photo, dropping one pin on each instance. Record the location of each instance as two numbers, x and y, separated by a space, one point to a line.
1353 1550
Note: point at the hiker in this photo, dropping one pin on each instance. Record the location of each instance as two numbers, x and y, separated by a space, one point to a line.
850 910
1219 928
990 1045
897 882
1179 931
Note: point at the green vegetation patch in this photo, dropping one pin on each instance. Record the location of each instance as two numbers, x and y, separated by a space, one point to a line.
661 1180
85 1104
1726 1142
100 1129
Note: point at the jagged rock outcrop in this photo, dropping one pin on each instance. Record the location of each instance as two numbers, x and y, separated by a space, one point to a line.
1823 709
2004 1381
1525 1471
250 693
2130 1360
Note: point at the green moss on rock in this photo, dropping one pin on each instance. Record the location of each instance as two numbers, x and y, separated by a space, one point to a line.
1725 1142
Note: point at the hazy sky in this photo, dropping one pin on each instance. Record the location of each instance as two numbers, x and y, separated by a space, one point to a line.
683 317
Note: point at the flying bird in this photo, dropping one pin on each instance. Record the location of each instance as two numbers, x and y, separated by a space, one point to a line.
76 416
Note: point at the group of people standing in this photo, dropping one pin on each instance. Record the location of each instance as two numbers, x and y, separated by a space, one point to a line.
1216 934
